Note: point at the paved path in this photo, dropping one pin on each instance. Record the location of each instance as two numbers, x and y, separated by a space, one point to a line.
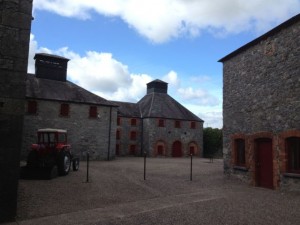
117 194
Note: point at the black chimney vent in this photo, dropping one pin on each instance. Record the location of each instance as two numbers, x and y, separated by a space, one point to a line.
51 67
157 86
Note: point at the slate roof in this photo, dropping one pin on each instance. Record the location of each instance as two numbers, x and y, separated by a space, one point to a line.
161 105
127 109
67 91
275 30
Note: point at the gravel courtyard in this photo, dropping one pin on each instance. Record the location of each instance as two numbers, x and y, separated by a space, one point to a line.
117 194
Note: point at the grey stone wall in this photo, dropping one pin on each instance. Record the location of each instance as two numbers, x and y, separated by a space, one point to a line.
84 133
15 24
169 134
125 142
261 90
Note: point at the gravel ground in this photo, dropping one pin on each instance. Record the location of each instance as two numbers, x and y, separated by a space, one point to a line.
117 194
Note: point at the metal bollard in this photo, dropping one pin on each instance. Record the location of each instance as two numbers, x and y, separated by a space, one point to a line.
87 166
145 155
191 174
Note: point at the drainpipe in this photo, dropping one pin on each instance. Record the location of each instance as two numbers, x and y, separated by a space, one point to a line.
109 134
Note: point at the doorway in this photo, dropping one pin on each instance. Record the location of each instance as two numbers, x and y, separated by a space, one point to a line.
177 149
264 163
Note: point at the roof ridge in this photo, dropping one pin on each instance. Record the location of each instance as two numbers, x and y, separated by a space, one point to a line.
152 100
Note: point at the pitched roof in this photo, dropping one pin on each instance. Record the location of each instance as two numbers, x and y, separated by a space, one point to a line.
161 105
127 109
67 91
275 30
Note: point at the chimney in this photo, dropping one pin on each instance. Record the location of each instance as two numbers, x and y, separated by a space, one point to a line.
51 67
157 86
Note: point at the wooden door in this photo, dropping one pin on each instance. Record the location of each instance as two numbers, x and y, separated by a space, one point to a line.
160 150
176 150
264 163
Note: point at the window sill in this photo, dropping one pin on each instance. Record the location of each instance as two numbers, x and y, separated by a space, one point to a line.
242 168
292 175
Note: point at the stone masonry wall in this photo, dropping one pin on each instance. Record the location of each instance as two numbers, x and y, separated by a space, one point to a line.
15 24
84 133
261 92
169 134
124 143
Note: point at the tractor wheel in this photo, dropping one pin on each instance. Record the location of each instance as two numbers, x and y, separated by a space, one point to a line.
75 164
64 163
32 159
51 172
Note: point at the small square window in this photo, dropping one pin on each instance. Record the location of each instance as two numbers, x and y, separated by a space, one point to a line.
93 112
193 125
133 122
161 123
177 124
64 109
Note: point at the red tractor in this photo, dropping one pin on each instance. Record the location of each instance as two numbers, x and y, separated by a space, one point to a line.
52 154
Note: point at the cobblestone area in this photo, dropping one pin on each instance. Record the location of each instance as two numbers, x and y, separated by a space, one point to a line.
118 194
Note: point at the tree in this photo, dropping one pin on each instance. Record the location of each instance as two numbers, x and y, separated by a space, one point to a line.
212 142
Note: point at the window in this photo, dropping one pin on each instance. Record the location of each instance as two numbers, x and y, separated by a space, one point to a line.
64 109
161 123
62 138
117 149
93 112
31 107
133 122
132 149
239 145
133 135
293 154
193 125
177 124
118 135
118 121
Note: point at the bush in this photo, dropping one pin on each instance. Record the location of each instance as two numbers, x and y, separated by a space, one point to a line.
212 142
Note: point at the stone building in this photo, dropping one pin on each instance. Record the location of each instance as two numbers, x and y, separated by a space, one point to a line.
54 102
261 104
15 24
158 125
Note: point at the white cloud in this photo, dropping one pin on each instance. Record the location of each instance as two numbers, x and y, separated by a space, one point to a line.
161 20
172 79
98 72
212 119
109 78
198 96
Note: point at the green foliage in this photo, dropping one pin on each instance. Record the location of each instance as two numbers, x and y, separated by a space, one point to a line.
212 142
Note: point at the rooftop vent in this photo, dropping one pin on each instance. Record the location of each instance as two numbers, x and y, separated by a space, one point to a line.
157 86
51 67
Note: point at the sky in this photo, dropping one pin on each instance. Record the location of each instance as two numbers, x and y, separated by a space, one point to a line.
116 47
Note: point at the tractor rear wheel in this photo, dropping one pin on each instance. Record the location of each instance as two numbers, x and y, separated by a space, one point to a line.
32 159
64 163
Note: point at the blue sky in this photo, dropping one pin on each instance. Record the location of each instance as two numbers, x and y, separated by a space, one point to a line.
115 47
